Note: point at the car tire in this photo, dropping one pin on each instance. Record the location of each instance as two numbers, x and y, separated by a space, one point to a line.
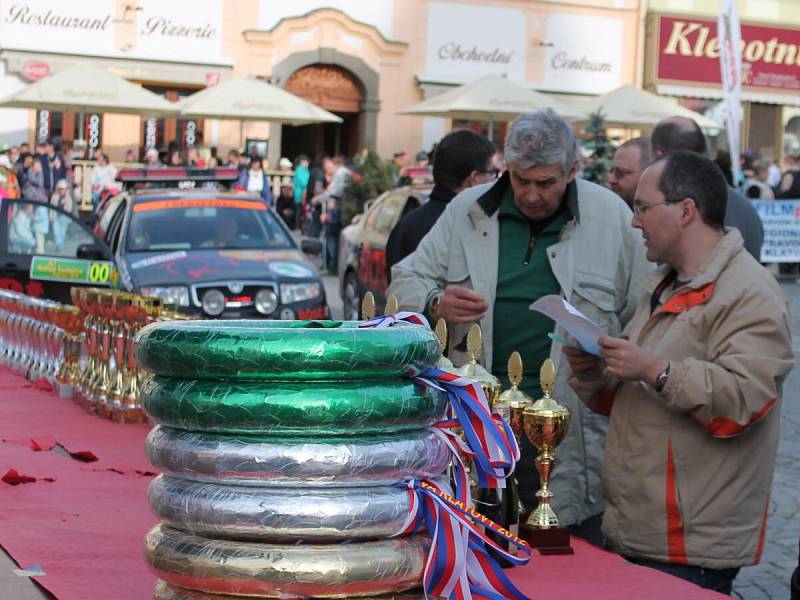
351 298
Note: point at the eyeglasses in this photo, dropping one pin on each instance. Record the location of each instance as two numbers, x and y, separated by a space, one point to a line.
639 209
493 173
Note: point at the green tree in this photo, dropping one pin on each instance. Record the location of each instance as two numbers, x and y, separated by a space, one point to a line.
373 177
596 144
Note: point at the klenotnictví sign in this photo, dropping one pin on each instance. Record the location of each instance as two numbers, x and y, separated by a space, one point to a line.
781 221
688 51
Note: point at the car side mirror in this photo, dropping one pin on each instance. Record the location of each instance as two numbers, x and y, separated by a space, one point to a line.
311 246
91 252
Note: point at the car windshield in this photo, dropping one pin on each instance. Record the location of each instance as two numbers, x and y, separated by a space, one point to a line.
201 223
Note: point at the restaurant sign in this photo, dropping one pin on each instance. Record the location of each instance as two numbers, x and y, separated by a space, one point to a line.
688 51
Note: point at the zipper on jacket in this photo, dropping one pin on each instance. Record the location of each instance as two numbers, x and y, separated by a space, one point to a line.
529 253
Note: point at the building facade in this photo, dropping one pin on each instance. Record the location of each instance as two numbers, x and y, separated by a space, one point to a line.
364 61
682 60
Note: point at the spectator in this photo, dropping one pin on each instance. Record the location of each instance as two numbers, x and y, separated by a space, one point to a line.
175 159
723 161
693 388
13 157
463 159
20 235
61 199
255 180
330 200
790 182
421 159
496 248
316 185
53 166
233 158
130 156
34 188
151 160
301 178
104 176
629 162
774 177
681 133
756 187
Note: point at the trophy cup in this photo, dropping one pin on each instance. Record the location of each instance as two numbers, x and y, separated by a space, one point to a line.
444 363
368 307
100 397
489 383
391 306
121 308
545 423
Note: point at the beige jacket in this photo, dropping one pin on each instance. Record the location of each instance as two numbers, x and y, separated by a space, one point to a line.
687 473
595 261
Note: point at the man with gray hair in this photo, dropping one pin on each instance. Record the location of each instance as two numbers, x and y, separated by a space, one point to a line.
502 245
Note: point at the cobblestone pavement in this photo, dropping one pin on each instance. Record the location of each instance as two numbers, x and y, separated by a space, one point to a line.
770 579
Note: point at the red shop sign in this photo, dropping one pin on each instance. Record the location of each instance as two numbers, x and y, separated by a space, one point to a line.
35 70
688 51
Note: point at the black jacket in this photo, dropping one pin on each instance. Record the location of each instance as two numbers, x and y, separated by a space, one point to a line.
413 226
741 214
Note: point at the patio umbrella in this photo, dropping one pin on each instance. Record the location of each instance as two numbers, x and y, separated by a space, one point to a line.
490 98
633 108
248 99
85 88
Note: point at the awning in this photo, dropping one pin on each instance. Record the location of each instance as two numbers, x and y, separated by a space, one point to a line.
715 93
152 71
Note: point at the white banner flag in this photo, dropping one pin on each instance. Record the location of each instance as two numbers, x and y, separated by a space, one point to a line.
730 64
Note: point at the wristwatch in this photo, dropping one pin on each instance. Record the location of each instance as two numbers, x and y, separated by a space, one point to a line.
661 380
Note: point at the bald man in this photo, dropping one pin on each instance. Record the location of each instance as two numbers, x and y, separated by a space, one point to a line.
681 133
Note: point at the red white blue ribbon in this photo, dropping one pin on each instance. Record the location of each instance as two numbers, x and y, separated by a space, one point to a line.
459 566
400 317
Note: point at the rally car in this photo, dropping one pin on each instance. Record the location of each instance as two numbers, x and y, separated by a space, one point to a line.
209 252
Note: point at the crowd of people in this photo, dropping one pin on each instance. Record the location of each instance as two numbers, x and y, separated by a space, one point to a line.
669 457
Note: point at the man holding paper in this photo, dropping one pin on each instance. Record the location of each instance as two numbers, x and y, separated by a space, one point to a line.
692 388
498 247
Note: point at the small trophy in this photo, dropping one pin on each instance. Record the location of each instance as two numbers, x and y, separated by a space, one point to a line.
513 401
489 383
391 306
368 307
444 363
545 423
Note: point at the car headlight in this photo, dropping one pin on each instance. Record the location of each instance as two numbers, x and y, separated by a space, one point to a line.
297 292
213 302
266 301
173 294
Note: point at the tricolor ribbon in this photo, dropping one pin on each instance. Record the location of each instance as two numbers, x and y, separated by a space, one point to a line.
459 566
400 317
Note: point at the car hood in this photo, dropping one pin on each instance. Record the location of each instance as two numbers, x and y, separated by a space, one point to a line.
197 266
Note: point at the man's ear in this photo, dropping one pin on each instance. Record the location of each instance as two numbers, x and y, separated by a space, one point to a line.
690 210
572 173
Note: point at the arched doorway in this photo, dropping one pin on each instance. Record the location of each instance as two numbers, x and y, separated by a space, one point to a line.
336 90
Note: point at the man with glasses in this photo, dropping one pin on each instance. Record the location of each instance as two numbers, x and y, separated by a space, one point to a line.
629 161
693 387
500 246
462 159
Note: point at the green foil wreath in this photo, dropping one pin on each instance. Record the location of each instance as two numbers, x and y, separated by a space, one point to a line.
284 350
293 408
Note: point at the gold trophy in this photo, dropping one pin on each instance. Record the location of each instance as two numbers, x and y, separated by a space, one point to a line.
545 423
513 401
489 383
444 363
368 307
391 306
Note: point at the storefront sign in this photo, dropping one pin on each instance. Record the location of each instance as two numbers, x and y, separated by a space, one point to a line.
180 30
58 26
93 133
781 221
467 41
35 70
575 62
42 126
150 133
688 51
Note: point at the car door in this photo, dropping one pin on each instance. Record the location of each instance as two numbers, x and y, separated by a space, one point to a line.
45 251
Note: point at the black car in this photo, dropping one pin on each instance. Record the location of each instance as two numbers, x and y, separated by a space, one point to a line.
211 253
45 251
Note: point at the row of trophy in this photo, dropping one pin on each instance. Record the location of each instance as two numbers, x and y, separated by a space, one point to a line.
36 336
544 422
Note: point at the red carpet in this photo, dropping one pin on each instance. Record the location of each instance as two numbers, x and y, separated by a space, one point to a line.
84 522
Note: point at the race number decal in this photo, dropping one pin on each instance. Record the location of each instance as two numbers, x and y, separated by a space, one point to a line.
74 270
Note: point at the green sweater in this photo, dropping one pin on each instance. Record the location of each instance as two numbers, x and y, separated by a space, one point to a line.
523 276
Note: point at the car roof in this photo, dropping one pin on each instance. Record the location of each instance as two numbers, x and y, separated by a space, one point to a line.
147 195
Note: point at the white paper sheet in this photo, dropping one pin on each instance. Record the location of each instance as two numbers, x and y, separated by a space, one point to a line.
573 321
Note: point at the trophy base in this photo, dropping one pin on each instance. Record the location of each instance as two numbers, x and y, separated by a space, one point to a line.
550 540
127 415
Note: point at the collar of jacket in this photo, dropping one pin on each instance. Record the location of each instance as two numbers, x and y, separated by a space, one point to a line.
441 194
730 245
490 201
